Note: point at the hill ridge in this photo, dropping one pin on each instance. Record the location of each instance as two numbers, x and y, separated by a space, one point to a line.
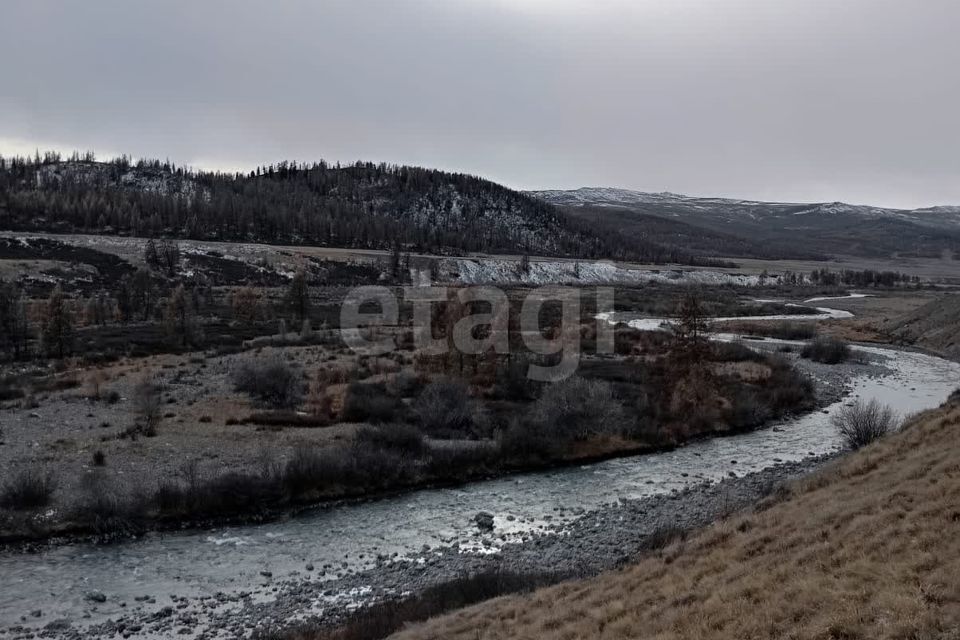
361 205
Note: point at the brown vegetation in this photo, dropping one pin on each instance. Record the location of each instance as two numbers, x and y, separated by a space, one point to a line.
933 326
826 350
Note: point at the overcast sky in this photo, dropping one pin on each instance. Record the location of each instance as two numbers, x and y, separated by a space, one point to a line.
801 100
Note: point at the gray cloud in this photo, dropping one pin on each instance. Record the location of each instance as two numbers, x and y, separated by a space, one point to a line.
789 100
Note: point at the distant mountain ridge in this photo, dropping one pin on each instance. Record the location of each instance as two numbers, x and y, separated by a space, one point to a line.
611 196
789 229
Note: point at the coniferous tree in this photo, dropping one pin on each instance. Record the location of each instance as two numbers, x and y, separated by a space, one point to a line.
14 329
524 265
135 296
690 333
150 254
298 295
180 318
169 257
57 325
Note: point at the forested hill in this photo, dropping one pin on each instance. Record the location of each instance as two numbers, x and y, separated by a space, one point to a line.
363 205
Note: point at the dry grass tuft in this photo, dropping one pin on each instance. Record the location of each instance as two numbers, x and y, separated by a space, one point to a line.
865 548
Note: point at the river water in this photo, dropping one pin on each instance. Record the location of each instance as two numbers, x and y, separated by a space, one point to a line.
350 537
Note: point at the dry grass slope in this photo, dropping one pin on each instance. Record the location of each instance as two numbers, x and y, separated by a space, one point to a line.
933 326
867 548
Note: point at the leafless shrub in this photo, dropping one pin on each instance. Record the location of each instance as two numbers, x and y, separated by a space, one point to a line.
247 305
405 384
29 489
306 330
95 382
827 351
576 409
862 422
444 408
663 536
526 440
384 618
780 330
395 437
10 390
148 404
104 507
369 402
272 382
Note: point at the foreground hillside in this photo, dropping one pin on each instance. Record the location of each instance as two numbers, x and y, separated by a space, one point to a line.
363 205
933 326
862 549
749 228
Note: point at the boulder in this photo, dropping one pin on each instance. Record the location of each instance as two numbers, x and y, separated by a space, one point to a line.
484 521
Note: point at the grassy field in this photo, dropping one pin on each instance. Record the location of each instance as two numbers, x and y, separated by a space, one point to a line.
865 548
945 269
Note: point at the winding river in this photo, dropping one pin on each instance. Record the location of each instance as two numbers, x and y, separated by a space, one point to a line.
142 574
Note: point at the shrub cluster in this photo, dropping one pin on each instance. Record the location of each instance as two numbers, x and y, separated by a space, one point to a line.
444 410
271 382
397 437
734 352
381 458
28 489
567 412
382 619
370 402
826 350
10 390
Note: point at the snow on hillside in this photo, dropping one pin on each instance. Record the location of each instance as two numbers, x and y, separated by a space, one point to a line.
147 179
609 196
612 197
490 271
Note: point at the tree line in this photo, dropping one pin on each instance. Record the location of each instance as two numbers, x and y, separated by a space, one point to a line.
862 278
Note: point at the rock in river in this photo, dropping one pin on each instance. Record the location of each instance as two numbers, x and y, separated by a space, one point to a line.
484 521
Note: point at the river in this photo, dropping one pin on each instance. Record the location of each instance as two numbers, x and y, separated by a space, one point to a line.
138 577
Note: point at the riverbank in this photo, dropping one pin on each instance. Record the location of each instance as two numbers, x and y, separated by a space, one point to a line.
198 473
595 541
34 532
857 550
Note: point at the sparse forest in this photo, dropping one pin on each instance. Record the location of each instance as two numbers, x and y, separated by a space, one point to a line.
364 205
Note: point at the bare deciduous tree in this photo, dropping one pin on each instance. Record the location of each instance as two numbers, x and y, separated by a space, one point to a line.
861 423
147 398
247 305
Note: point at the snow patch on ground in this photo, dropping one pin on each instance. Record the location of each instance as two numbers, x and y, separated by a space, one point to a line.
846 297
658 324
489 271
